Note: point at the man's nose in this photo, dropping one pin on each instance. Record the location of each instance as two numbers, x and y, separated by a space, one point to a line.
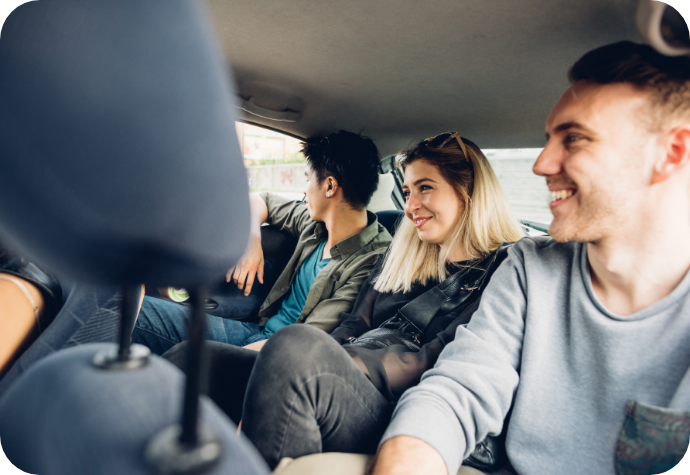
549 162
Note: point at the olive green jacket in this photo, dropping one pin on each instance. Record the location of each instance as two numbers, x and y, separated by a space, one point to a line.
336 286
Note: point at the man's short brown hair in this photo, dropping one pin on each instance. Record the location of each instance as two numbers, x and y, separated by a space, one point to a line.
667 79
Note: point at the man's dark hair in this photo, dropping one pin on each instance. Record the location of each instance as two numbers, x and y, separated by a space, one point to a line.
352 159
666 78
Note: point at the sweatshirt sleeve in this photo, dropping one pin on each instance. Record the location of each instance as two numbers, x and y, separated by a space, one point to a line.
468 392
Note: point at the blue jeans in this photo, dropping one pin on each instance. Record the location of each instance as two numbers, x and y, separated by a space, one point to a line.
163 324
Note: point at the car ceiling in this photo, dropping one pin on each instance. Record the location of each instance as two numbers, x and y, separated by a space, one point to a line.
405 70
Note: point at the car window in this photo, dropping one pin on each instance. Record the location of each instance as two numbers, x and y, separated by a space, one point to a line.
275 163
273 160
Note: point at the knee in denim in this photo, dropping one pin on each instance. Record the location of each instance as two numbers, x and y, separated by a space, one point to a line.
293 345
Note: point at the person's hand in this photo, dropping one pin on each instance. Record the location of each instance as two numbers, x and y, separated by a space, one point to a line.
250 266
405 455
256 346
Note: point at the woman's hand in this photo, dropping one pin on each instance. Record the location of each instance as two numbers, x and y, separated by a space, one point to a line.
250 266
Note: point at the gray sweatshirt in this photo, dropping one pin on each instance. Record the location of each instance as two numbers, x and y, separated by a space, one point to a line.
543 341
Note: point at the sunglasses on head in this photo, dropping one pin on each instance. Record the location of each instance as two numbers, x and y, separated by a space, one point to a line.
440 141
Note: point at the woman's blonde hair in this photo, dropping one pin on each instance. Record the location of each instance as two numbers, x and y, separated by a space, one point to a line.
483 225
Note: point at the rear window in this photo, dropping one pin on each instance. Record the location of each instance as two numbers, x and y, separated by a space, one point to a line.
526 192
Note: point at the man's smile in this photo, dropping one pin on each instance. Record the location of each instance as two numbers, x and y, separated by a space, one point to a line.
560 195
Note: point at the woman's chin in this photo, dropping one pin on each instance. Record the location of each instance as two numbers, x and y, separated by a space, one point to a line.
428 237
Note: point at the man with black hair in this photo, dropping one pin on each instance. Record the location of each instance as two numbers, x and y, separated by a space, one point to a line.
585 335
339 242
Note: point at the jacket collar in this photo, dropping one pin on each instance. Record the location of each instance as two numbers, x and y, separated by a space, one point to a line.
354 243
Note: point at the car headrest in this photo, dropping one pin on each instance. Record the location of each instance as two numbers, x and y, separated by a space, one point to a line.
66 416
390 219
119 157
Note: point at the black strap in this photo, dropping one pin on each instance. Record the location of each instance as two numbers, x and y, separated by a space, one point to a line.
449 294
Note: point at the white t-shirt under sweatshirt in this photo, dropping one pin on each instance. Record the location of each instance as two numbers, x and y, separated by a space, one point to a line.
543 341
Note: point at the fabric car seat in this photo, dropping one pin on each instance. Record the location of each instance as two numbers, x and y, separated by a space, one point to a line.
67 417
120 166
277 247
339 463
390 219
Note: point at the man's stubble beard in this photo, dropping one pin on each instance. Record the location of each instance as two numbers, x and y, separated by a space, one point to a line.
597 217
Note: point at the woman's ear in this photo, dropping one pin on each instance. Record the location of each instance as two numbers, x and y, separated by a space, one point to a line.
676 154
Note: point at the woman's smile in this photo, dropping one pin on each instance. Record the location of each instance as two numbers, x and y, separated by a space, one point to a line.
421 221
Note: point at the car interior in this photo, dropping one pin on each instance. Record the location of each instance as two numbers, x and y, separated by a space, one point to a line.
396 71
403 72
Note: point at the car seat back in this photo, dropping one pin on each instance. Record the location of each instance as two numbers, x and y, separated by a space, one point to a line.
390 219
76 439
120 165
120 161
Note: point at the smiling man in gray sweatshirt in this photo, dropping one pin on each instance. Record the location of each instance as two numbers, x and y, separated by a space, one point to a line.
585 335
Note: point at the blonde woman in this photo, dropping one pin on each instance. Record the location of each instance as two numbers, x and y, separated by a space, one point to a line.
311 392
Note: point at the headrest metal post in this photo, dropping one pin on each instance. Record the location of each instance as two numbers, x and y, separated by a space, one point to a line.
197 332
186 448
130 296
126 356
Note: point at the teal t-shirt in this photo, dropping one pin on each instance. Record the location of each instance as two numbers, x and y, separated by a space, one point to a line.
294 302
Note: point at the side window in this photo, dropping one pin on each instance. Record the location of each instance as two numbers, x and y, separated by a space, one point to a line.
273 161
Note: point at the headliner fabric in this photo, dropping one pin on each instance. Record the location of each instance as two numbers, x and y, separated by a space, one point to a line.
118 153
403 70
67 417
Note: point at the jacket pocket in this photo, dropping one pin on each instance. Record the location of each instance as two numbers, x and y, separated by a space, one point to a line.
652 440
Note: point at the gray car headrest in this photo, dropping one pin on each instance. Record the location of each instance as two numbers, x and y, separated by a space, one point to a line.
118 153
66 416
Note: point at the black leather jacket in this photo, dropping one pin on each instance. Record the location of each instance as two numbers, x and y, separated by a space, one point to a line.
395 368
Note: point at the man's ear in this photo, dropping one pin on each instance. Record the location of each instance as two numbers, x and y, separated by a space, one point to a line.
676 156
331 185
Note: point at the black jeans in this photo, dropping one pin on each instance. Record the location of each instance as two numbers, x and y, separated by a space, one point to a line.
303 394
